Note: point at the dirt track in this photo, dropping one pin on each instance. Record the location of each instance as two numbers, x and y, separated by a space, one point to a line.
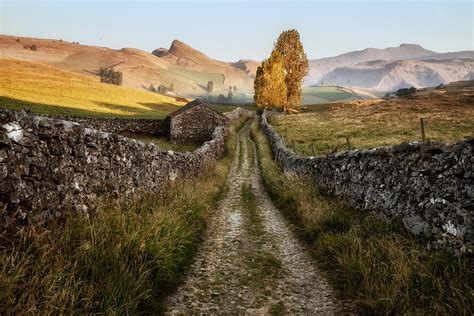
251 263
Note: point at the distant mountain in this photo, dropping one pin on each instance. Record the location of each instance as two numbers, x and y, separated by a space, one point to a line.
390 76
320 67
194 65
391 68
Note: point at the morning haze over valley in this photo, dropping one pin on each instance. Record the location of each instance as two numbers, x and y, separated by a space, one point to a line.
237 157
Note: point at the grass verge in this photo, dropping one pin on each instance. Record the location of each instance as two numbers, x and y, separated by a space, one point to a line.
376 264
122 259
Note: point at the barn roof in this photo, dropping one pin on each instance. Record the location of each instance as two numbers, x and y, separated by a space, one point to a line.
189 106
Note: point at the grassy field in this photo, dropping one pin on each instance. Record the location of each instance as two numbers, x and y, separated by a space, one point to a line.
326 94
448 118
376 265
48 90
122 259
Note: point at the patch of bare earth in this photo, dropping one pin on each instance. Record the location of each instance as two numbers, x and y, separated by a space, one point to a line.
251 263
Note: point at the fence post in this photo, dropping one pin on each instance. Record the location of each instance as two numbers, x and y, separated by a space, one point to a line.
349 147
422 124
293 145
312 150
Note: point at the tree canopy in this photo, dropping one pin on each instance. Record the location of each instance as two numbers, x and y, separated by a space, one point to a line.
270 88
289 52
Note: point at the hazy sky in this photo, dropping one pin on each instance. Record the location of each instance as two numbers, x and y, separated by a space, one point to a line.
232 30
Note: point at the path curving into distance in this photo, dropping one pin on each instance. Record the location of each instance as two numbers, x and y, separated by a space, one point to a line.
250 262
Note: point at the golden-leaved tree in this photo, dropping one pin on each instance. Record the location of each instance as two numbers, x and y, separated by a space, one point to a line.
295 64
270 87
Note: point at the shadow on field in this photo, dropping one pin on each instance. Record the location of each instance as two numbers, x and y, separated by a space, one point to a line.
42 108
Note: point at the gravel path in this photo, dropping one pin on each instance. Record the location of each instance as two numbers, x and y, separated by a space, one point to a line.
251 263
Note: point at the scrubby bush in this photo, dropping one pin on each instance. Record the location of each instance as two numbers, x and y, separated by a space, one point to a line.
221 98
405 91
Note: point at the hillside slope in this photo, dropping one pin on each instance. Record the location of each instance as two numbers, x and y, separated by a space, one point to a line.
45 89
181 66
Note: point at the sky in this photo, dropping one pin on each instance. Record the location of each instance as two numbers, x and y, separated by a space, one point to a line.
230 30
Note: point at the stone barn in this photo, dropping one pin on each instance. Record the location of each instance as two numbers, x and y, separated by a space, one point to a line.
194 123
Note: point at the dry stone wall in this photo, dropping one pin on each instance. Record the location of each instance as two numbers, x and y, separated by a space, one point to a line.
51 166
429 185
155 127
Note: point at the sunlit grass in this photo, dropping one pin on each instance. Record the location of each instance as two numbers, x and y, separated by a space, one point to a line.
374 125
377 265
47 90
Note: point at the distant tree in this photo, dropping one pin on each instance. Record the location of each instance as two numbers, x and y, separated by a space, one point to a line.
235 88
152 88
210 87
230 88
296 66
120 78
162 89
221 99
17 40
171 87
269 84
34 47
229 96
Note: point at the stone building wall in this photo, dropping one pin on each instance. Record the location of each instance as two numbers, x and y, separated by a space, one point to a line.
195 125
51 166
430 186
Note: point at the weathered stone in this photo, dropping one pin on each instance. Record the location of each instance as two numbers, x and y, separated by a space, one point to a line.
429 185
62 166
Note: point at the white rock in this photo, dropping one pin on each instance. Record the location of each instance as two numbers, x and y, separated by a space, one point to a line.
13 126
16 135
